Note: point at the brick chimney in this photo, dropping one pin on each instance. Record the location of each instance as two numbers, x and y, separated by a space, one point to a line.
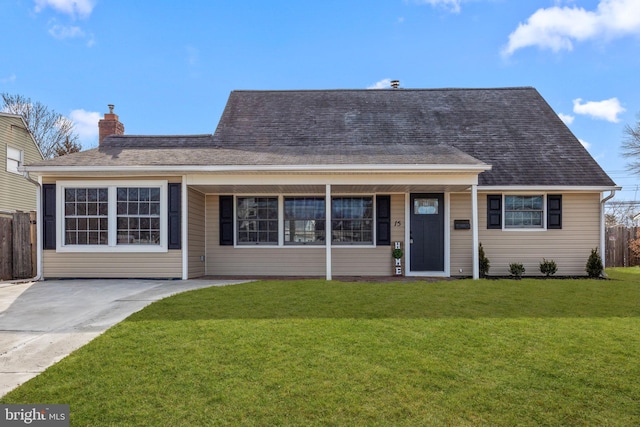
110 125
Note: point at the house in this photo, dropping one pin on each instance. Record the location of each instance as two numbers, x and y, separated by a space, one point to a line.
17 147
327 183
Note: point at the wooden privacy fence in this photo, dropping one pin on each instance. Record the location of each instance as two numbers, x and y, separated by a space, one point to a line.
17 246
618 251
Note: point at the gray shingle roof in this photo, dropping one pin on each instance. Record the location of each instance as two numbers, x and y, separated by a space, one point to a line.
512 129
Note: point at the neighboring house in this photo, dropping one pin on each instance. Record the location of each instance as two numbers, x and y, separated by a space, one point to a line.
288 172
17 147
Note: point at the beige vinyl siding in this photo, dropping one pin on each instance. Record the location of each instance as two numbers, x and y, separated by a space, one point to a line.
461 240
371 261
16 193
374 261
257 261
196 238
112 265
569 247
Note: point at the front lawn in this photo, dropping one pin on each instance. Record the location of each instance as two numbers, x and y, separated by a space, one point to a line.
310 352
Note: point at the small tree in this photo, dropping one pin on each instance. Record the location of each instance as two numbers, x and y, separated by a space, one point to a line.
548 267
594 266
483 262
517 270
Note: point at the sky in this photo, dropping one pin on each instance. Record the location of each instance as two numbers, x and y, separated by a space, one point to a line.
169 66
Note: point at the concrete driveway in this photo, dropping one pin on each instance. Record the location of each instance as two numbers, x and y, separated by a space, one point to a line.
42 322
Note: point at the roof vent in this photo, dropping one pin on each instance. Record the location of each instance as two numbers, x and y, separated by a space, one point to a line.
395 84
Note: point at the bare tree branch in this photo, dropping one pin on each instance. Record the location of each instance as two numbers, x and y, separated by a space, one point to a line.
631 146
50 129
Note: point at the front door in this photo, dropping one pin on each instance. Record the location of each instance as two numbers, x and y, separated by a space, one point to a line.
427 232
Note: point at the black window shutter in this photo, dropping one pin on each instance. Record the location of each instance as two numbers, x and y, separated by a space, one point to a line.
494 211
48 216
175 210
226 220
554 211
383 220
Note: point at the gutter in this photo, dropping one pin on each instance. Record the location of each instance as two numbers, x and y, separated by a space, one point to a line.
604 200
38 276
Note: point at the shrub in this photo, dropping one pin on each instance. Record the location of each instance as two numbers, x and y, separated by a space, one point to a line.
516 269
483 262
594 266
548 268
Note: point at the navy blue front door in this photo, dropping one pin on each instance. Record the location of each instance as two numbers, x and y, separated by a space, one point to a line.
427 232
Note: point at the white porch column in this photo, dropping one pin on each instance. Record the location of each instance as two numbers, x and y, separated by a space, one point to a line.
184 232
327 228
474 230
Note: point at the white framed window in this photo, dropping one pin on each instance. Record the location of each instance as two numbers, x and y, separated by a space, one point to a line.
111 216
15 158
300 220
523 211
304 221
352 220
257 220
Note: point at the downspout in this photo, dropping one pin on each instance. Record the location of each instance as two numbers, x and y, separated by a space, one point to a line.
38 275
604 200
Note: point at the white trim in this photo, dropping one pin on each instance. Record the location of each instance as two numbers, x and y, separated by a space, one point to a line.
363 168
327 231
184 232
447 234
544 188
112 245
447 237
39 224
474 232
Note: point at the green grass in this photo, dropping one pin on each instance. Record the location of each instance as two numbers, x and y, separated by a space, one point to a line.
460 353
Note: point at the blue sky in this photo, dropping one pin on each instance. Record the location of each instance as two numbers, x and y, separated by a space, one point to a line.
169 66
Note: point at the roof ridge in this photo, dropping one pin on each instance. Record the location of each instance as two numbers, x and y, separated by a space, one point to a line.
401 89
161 136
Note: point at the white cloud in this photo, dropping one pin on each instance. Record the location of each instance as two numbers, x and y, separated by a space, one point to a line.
86 125
73 8
9 79
566 118
607 110
557 28
452 5
584 143
63 32
382 84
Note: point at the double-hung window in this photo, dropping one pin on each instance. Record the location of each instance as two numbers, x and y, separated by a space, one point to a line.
15 158
257 220
352 220
523 211
304 220
112 216
86 216
138 213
